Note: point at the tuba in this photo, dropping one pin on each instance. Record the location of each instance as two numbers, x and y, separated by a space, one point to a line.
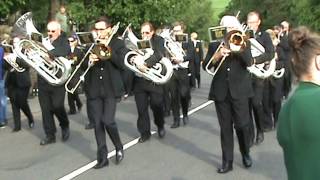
11 57
160 73
76 78
55 70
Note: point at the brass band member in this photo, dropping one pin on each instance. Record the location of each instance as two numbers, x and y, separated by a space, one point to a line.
231 89
18 85
256 102
145 91
180 82
103 85
75 56
51 97
198 56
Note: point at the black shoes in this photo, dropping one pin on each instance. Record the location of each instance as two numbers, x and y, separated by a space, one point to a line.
246 160
226 167
161 132
65 134
259 138
48 140
16 129
185 120
119 156
101 163
31 124
176 123
144 138
89 126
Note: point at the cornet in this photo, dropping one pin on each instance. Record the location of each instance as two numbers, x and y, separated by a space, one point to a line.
10 57
160 73
75 78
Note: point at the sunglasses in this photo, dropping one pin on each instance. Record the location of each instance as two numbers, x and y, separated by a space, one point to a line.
52 31
145 32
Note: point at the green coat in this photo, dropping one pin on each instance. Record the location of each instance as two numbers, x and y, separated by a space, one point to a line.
299 132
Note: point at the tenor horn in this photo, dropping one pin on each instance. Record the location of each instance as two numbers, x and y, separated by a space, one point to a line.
160 73
76 78
54 70
173 47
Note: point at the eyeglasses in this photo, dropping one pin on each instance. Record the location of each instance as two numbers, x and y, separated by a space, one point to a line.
52 31
145 33
100 29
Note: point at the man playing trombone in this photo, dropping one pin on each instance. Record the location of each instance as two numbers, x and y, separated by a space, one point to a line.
231 89
103 86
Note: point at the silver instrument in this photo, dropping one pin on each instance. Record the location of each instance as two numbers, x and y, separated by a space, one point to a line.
55 70
74 80
173 47
160 73
10 57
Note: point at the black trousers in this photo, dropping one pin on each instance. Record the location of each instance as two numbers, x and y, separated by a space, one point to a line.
166 98
180 92
256 107
233 113
19 101
197 73
143 100
73 100
103 112
51 101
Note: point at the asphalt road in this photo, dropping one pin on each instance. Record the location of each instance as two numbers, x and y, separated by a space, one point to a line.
191 152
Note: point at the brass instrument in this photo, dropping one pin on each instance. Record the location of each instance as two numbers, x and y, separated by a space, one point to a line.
10 56
173 47
160 73
75 78
233 40
55 70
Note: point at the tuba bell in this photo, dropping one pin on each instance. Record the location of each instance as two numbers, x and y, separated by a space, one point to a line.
55 70
160 73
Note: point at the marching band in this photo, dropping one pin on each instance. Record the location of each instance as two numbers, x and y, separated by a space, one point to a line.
160 69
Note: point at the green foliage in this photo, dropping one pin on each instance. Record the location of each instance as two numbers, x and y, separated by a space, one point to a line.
9 6
297 12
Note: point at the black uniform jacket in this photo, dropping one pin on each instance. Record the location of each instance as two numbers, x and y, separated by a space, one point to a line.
140 83
232 76
106 73
18 79
61 49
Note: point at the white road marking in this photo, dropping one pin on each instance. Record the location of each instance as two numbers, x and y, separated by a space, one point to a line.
90 165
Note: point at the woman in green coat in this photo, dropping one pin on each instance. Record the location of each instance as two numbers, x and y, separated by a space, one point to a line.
299 120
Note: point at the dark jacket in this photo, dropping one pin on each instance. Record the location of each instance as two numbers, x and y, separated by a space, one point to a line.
140 83
61 49
232 76
106 73
18 79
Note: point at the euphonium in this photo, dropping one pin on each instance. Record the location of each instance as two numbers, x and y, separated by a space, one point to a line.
10 57
55 70
76 78
160 73
174 48
259 69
